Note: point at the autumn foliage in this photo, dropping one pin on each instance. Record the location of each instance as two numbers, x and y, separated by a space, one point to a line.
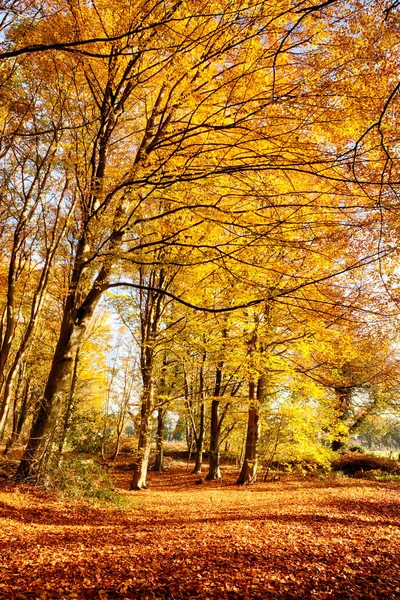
199 208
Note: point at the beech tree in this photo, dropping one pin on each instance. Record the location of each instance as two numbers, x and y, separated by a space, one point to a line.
226 131
209 81
195 404
355 363
36 233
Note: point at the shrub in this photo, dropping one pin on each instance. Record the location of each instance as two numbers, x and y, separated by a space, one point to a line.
85 433
82 478
358 449
353 462
306 465
382 476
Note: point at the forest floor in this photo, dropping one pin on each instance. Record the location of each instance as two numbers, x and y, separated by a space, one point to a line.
285 539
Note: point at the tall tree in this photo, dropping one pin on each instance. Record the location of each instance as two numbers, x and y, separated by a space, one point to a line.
184 120
138 124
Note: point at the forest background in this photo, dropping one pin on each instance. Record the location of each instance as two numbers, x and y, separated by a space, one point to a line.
199 222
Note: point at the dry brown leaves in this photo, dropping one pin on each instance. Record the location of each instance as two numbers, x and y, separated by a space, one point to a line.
177 540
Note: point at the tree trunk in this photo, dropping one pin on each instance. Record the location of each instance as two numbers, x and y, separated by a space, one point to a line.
44 426
248 473
337 445
214 467
74 324
142 461
116 447
200 441
120 427
7 395
18 423
70 404
159 460
342 406
35 310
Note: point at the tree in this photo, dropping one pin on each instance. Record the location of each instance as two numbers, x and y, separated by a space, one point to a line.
33 230
355 362
195 401
182 122
137 127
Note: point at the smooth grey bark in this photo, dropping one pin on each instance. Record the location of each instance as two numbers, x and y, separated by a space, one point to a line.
248 473
200 440
140 467
71 402
159 460
151 303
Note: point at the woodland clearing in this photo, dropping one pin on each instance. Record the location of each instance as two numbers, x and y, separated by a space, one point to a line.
199 244
294 538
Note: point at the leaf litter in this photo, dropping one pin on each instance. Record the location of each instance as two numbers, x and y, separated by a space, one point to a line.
288 539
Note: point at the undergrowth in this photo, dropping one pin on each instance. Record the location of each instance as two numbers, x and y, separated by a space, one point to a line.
383 476
83 478
354 463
